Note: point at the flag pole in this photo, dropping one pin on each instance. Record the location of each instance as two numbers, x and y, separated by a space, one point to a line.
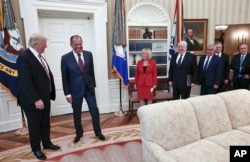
120 112
119 62
179 21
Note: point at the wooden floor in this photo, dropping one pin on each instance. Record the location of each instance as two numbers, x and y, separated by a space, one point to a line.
63 125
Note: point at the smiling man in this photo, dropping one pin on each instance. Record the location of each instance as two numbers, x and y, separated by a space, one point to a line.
182 72
78 79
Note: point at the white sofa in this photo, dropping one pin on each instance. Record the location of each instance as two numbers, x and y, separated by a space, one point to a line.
198 129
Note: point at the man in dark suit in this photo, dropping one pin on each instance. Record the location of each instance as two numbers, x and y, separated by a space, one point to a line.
225 66
35 89
78 79
210 70
240 60
182 72
193 44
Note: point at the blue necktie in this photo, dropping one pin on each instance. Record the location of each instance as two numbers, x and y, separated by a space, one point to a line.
241 60
206 64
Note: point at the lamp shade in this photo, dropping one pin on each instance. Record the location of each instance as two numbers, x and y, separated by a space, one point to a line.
221 27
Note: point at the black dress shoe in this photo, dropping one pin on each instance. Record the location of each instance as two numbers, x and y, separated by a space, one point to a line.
40 155
77 138
101 136
52 147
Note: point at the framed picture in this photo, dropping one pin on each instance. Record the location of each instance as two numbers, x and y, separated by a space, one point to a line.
196 35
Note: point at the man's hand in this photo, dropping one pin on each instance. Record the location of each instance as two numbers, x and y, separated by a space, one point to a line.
69 99
216 86
39 104
193 85
246 76
170 84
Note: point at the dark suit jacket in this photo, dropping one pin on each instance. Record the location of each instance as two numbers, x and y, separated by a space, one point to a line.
225 65
33 82
179 75
213 74
74 81
235 64
149 78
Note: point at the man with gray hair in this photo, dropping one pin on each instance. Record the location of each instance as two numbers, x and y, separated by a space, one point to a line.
35 89
210 71
182 72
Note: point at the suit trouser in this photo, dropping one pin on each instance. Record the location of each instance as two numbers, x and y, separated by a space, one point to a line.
93 109
241 83
183 93
39 126
205 89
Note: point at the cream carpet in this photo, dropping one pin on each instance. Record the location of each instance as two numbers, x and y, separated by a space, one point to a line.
121 144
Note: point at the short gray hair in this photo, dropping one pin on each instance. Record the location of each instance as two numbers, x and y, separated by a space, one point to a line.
35 39
211 45
183 43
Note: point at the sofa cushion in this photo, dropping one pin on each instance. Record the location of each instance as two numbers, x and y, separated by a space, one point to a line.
245 129
230 138
202 150
170 124
212 115
238 106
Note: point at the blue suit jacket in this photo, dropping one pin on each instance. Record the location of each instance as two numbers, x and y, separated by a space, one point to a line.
213 73
74 81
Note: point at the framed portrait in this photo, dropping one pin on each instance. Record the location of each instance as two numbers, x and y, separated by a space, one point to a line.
196 35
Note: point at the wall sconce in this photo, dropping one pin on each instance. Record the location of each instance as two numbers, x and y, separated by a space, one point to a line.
221 27
242 38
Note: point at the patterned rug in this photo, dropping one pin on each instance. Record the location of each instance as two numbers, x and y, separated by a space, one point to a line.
121 144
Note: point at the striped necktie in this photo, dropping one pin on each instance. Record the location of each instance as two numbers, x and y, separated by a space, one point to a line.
45 69
44 66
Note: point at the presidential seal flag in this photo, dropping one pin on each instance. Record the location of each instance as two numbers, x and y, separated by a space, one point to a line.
119 59
119 63
11 47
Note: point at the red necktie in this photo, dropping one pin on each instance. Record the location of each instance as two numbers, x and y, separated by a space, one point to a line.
80 62
45 69
44 66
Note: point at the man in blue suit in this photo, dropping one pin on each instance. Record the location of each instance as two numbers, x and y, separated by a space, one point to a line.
210 71
78 79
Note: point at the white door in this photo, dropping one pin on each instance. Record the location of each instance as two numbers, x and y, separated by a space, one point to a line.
58 31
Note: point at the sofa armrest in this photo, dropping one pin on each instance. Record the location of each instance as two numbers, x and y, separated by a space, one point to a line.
153 152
